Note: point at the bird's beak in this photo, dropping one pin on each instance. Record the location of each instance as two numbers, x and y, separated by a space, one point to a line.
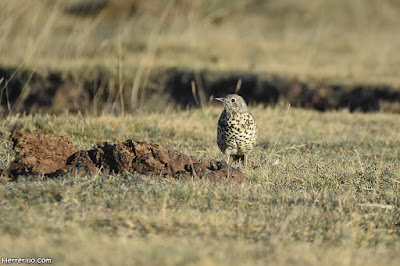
219 99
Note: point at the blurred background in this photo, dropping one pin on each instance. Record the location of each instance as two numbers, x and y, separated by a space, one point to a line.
118 56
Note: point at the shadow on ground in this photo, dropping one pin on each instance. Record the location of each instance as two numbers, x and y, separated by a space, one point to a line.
24 91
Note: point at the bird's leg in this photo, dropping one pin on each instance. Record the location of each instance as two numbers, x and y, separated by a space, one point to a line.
227 161
245 160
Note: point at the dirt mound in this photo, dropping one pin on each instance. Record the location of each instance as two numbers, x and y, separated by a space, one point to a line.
56 156
42 154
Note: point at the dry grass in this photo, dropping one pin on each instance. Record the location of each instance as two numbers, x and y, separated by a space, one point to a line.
342 41
328 193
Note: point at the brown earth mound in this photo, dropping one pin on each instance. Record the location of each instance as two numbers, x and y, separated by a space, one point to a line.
42 154
56 156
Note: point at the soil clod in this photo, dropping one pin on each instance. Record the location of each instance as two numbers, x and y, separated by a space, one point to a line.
42 154
55 156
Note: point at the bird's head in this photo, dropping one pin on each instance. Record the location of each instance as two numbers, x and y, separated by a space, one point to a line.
233 103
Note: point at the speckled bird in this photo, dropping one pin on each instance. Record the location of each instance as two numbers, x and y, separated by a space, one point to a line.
237 129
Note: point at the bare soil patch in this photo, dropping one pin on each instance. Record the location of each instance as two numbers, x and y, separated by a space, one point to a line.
56 156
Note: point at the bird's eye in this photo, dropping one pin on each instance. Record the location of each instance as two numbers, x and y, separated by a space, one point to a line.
233 100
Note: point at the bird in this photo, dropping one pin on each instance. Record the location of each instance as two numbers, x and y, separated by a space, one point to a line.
237 129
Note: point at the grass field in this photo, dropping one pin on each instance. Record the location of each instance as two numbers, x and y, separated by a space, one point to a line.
340 41
322 189
323 192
